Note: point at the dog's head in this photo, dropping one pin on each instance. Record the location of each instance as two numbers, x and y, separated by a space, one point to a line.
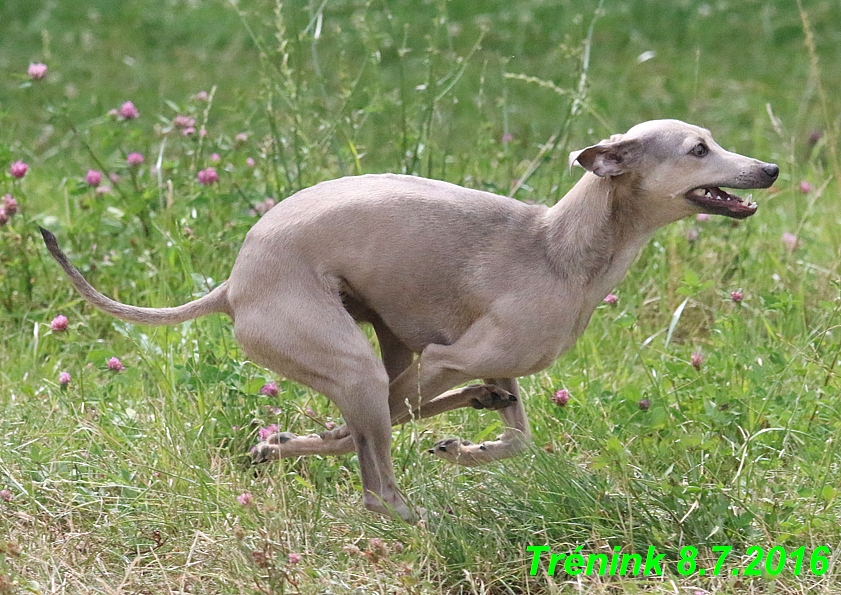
679 169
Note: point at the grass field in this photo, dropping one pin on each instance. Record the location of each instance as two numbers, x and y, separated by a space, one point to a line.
130 478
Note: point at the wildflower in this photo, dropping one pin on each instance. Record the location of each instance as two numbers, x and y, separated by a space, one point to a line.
261 559
644 404
215 158
208 176
507 137
377 549
309 412
294 558
64 378
201 96
245 499
93 178
183 122
561 397
59 324
37 71
691 234
697 360
805 187
701 217
250 162
113 113
203 132
4 218
611 299
789 241
269 389
115 178
115 365
261 208
188 131
241 138
351 550
18 169
134 159
100 190
815 136
264 433
5 495
329 425
128 111
737 296
10 205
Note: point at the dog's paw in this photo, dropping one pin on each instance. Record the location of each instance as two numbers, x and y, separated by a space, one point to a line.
269 450
460 452
492 397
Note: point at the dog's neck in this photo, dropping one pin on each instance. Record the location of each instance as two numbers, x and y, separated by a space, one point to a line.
595 231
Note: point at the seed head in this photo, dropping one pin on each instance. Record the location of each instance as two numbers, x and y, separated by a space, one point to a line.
134 159
59 324
10 205
115 365
37 71
18 169
128 111
208 176
93 178
269 389
183 122
561 397
264 433
697 360
789 241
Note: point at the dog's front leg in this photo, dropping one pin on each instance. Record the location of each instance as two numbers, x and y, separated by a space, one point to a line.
511 442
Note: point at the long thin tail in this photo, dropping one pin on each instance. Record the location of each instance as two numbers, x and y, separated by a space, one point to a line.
215 301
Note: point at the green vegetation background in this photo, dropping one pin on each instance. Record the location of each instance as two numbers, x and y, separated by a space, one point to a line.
128 483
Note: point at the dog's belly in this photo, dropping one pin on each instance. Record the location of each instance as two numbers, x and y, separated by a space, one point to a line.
413 320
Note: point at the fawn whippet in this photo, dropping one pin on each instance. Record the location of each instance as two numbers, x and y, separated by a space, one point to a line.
458 284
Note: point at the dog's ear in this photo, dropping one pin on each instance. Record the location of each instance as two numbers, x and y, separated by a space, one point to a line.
608 158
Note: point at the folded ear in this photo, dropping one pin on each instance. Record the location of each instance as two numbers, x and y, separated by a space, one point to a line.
608 158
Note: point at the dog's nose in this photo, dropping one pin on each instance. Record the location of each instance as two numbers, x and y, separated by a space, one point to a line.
771 170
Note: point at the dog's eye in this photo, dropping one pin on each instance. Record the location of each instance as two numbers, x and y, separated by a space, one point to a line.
700 150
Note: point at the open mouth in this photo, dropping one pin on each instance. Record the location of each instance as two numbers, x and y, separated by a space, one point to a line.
716 201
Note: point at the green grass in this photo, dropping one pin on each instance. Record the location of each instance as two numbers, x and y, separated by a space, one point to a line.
128 482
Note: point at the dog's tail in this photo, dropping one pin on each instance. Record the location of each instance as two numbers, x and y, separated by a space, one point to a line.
215 301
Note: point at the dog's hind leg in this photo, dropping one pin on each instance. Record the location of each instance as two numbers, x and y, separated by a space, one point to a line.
330 354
